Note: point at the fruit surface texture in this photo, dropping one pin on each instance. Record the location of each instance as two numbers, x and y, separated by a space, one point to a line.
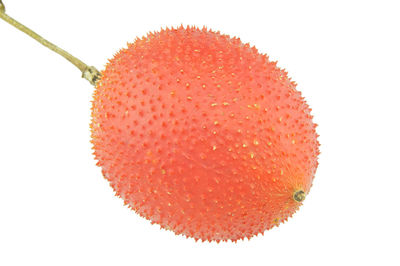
203 135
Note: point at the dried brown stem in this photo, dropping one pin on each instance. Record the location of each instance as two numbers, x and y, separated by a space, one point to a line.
90 73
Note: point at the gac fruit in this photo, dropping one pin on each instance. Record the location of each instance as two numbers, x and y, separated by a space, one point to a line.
203 135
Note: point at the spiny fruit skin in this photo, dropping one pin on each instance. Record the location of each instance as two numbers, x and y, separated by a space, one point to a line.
203 135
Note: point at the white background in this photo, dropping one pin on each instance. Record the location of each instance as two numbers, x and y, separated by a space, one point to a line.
57 209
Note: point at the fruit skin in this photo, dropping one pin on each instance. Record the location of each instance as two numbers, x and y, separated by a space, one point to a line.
203 135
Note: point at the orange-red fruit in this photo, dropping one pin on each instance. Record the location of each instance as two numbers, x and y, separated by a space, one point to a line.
203 135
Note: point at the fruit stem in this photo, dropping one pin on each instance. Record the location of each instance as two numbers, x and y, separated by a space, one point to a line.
89 73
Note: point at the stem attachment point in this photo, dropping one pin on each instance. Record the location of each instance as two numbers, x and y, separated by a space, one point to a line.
91 74
299 195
